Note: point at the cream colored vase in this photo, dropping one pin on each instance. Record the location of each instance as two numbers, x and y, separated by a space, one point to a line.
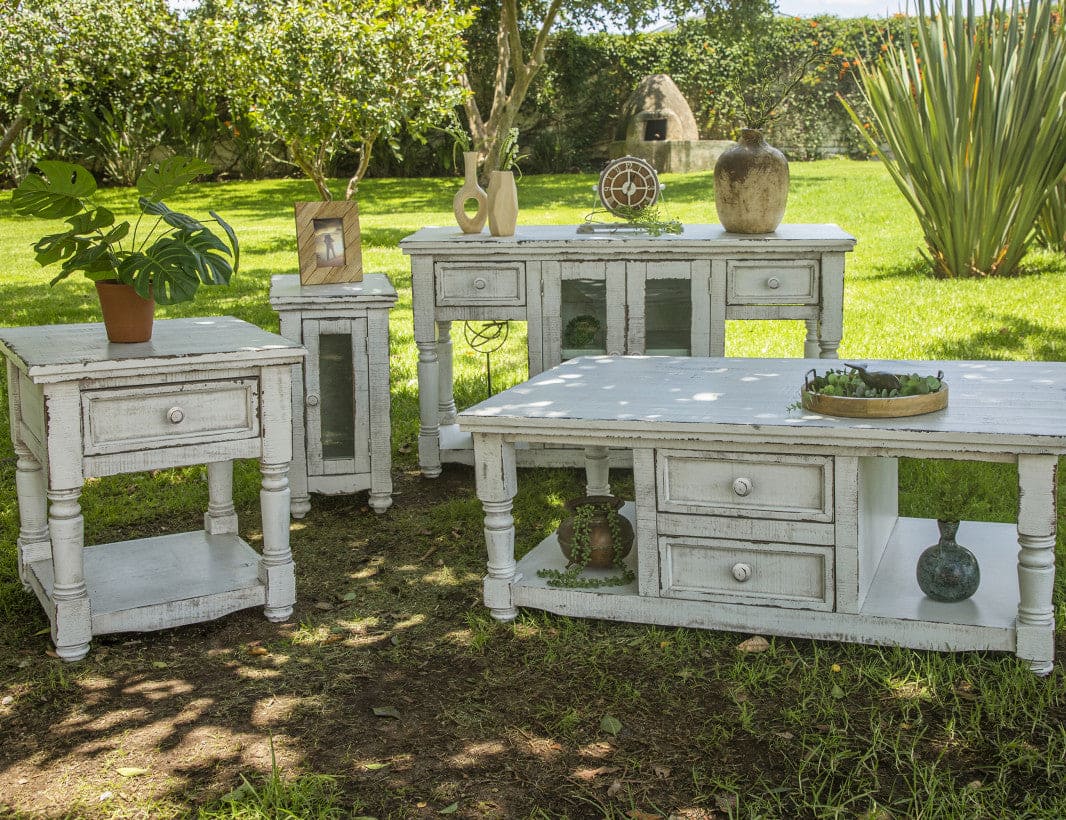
503 203
751 185
470 190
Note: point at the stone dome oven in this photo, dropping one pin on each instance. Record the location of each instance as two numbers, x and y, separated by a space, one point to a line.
657 124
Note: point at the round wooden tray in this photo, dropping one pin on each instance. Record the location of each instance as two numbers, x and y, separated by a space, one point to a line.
875 408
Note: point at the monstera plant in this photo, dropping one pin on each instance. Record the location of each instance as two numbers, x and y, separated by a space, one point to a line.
164 256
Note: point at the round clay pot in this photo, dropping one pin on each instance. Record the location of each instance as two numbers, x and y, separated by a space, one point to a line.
947 571
601 541
751 185
127 315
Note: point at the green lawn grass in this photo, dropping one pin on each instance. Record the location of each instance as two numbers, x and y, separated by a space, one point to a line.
844 729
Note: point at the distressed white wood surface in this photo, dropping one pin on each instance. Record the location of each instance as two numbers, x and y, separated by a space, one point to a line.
841 565
51 353
359 310
1005 407
478 277
786 237
203 391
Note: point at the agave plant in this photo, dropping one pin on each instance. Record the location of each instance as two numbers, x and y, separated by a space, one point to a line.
1051 226
973 113
166 256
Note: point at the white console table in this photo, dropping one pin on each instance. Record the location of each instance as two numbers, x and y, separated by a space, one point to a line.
202 391
621 293
727 476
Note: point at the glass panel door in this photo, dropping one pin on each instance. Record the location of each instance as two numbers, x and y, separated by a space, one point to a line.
584 317
337 395
668 317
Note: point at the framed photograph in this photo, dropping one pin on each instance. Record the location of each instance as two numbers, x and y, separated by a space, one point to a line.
327 240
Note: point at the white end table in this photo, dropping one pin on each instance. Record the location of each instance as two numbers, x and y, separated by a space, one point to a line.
202 391
340 399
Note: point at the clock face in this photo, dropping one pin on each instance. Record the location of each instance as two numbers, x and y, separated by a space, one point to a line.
628 184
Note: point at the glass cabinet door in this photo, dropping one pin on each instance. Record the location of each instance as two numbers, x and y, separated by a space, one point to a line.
335 393
668 317
584 317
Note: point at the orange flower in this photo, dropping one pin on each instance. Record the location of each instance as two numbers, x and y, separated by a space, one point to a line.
884 46
814 24
845 64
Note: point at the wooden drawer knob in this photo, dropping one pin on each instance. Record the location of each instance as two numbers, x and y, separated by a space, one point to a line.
742 572
311 400
480 283
742 486
175 415
773 283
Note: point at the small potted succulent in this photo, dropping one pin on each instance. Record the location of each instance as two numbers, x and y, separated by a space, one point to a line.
164 257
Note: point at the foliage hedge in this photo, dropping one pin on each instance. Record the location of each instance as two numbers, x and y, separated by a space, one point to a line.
155 91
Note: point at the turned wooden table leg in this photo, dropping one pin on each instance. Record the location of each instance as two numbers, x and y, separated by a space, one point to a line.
494 466
1037 519
445 365
220 517
33 541
597 471
277 571
72 625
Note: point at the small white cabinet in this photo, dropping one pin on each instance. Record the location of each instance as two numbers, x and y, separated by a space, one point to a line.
341 438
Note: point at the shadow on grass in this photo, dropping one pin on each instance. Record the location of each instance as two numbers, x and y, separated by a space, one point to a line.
1013 338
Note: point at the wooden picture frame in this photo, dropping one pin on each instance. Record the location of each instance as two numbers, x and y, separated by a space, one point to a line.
327 241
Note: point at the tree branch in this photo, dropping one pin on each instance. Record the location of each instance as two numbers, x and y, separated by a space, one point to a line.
364 161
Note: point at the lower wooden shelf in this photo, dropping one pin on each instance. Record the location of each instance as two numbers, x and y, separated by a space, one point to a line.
162 582
894 613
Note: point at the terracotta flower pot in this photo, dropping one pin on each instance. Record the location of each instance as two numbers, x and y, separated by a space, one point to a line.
602 545
751 185
127 315
503 203
470 190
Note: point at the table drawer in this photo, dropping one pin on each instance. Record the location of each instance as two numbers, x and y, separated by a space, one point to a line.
473 283
786 575
128 419
778 283
794 488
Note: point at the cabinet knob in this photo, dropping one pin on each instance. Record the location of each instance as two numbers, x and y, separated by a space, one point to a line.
773 283
742 572
175 415
311 400
480 283
742 486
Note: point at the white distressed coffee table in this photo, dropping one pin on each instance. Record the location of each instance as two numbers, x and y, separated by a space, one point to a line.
623 293
202 391
750 516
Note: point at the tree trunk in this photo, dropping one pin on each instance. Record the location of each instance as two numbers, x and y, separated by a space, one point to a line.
12 131
364 161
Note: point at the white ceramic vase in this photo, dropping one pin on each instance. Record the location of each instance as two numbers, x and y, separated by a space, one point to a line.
470 190
503 203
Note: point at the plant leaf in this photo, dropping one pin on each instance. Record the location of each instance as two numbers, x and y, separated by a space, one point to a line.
386 711
162 179
610 724
167 271
172 218
452 809
232 239
131 771
56 195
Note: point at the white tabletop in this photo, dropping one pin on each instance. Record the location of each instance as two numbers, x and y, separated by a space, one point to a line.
61 352
993 406
830 237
